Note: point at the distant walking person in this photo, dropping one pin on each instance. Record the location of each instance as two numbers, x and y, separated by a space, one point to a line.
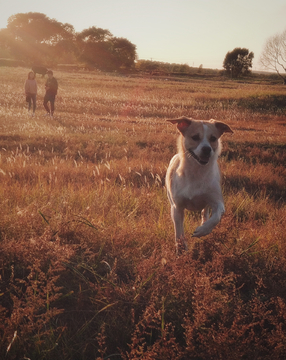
31 92
51 92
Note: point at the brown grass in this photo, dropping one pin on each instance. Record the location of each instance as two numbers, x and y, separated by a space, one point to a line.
88 265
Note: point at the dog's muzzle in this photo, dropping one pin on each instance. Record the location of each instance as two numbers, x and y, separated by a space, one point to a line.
200 161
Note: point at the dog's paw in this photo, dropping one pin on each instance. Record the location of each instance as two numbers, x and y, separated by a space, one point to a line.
201 231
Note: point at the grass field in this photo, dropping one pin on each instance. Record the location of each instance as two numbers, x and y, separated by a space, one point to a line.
88 264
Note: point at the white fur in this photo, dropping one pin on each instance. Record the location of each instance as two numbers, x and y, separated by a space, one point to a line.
193 176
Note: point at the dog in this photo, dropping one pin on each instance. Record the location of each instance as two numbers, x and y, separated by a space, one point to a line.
193 180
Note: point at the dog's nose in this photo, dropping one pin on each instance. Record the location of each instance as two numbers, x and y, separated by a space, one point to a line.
206 150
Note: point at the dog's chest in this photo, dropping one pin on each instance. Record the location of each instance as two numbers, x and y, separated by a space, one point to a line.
196 194
193 200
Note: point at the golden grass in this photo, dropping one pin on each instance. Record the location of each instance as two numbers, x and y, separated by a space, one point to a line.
88 261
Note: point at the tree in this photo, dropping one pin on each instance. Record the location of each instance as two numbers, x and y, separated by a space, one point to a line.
95 48
238 62
124 52
274 54
100 49
98 55
34 37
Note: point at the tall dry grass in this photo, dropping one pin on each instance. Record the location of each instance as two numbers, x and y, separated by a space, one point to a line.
88 267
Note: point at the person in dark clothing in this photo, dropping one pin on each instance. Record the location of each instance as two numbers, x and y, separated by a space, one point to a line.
51 92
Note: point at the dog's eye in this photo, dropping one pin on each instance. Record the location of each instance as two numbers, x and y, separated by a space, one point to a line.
196 137
213 138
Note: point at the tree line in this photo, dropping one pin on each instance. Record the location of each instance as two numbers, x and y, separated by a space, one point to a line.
36 39
33 38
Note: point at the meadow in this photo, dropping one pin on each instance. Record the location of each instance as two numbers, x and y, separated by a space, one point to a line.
88 264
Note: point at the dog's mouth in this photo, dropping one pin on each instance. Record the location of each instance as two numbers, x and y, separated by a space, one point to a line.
200 161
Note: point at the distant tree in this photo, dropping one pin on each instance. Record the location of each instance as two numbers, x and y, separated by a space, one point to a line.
65 51
34 37
238 62
100 49
95 48
273 56
98 55
65 48
124 52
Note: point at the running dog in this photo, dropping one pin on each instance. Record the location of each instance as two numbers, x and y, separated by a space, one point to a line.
193 176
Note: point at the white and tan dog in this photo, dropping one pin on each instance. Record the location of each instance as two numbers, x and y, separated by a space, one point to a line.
193 176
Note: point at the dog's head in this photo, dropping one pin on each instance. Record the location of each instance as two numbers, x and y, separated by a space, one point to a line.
200 139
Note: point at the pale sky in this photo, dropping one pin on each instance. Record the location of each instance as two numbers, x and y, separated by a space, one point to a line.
192 32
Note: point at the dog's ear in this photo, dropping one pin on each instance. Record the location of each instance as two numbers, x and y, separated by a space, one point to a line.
182 123
222 127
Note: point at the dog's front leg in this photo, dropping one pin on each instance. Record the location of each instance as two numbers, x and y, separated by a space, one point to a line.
177 215
207 227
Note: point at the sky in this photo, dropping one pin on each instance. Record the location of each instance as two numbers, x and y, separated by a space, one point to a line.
193 32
